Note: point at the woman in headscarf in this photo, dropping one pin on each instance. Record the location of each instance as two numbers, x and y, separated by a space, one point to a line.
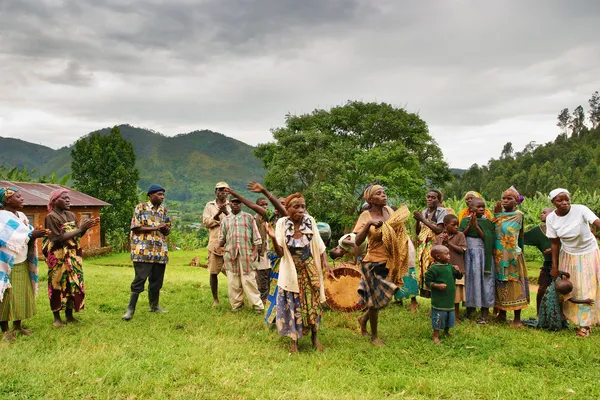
63 254
469 196
512 286
575 251
430 223
18 264
387 260
301 289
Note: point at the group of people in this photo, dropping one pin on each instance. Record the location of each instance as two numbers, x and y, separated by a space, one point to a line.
277 260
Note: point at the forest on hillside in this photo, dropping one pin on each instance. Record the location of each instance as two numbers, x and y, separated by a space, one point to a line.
572 160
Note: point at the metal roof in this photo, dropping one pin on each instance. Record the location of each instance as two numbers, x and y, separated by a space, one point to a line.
38 194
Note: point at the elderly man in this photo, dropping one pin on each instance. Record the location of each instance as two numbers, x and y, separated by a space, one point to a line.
241 239
214 212
150 227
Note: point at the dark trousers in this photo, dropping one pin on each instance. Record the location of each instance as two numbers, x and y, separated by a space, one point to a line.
263 279
153 272
543 282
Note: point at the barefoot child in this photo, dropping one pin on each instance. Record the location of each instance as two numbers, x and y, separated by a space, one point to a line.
457 244
440 279
479 261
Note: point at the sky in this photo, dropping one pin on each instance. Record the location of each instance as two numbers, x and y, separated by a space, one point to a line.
480 73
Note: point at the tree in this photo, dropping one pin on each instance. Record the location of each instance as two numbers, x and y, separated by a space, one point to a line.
577 122
564 120
103 166
16 174
331 156
594 110
507 151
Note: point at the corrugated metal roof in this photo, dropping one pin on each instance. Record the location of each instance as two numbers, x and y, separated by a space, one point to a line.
38 194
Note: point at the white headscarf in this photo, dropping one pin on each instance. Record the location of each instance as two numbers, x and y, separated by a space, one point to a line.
558 191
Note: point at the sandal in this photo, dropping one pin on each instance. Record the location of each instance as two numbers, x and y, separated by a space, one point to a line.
584 331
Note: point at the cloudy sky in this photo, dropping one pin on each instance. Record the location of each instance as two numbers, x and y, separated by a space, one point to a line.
480 73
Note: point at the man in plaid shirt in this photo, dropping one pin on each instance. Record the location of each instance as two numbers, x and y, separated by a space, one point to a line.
241 239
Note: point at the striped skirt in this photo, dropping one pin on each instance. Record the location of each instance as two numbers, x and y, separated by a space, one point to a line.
19 301
585 276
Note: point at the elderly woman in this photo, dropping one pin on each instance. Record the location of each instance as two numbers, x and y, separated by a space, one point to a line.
430 223
64 257
578 256
387 260
512 286
18 264
465 212
301 289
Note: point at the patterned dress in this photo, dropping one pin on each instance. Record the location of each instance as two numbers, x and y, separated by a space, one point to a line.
65 264
297 313
512 286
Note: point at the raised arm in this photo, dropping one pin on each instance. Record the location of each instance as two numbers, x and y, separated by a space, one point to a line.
258 188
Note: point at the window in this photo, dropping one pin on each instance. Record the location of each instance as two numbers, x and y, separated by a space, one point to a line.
32 219
83 216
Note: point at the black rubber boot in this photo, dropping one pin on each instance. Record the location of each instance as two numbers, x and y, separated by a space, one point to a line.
131 307
153 298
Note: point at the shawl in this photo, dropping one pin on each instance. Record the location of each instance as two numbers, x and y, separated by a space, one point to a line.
508 244
288 277
395 239
15 235
488 239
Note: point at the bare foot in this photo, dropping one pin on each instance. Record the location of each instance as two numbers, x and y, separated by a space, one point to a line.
377 342
413 306
9 336
215 303
317 345
72 320
436 340
447 333
363 327
24 331
58 323
516 324
294 346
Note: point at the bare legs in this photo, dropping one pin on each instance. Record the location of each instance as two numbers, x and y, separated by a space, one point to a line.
69 318
315 341
516 322
413 304
214 288
17 327
371 316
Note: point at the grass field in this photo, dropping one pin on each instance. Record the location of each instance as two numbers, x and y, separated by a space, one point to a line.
196 351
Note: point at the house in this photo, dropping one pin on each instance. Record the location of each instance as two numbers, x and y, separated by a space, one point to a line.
36 196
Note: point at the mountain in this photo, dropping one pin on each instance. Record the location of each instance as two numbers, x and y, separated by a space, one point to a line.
188 165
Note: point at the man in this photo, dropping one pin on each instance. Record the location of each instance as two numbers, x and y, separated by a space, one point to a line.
150 227
348 250
263 263
241 239
214 212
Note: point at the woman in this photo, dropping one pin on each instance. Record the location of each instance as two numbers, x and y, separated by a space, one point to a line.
269 217
63 256
430 223
301 289
512 286
469 196
578 256
387 260
18 264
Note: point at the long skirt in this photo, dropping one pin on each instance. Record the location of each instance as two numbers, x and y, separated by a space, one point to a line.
19 301
585 276
298 313
271 304
513 295
374 288
65 279
479 285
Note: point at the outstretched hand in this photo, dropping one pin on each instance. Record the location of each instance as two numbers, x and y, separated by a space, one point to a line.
255 187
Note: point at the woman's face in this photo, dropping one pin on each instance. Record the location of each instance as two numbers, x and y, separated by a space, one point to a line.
63 202
379 198
562 202
508 201
432 200
297 210
468 199
15 202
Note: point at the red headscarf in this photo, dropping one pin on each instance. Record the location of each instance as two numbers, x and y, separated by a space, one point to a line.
292 199
55 195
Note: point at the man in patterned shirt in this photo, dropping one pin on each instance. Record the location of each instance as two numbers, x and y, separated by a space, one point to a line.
241 239
150 226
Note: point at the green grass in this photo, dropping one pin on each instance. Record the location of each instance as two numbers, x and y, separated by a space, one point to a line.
196 351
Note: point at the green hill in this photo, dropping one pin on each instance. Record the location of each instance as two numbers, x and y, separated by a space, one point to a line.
188 165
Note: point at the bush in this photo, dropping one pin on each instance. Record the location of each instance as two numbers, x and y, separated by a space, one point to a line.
118 240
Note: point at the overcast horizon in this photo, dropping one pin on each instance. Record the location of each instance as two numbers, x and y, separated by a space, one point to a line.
480 74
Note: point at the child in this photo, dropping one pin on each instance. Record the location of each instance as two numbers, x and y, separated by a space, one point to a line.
479 261
440 279
348 249
457 244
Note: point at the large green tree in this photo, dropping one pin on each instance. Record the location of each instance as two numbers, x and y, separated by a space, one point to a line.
332 155
104 167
